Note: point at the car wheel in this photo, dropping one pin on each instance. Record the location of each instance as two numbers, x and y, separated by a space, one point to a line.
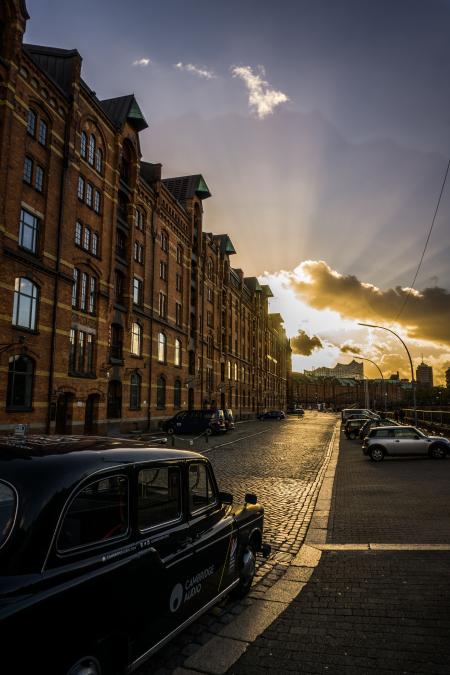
376 454
438 452
88 665
208 431
352 435
247 569
170 431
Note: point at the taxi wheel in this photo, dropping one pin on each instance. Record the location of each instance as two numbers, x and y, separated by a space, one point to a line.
170 431
246 571
88 665
208 431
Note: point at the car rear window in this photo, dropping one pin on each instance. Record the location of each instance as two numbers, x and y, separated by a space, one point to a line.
98 513
8 506
159 496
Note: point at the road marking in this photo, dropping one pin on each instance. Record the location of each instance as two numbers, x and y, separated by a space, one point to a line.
237 440
382 547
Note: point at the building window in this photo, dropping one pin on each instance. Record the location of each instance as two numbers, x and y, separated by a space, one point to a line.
235 372
42 135
80 189
28 170
119 284
29 231
164 242
92 295
139 219
20 383
178 314
177 394
135 391
177 360
209 268
83 144
97 201
180 255
137 291
136 339
78 233
209 319
94 248
229 370
116 341
162 347
179 283
83 291
87 238
163 305
138 252
88 195
91 149
209 294
121 243
76 278
160 392
25 303
163 270
39 178
99 160
31 122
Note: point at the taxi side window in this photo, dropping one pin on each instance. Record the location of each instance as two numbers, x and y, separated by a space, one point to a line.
97 514
159 496
201 489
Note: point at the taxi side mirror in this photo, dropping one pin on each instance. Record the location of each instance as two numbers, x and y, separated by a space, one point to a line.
250 498
226 497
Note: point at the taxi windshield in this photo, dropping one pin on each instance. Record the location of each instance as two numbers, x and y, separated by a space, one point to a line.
8 504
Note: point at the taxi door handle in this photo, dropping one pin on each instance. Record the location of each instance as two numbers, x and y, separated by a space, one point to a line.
396 440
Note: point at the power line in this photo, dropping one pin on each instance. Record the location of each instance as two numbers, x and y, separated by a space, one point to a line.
425 247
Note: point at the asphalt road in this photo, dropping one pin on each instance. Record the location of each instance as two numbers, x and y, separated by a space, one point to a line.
280 462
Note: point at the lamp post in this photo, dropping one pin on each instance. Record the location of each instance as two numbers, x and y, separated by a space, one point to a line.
413 382
363 358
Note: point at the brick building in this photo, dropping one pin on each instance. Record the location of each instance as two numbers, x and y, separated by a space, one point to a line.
116 309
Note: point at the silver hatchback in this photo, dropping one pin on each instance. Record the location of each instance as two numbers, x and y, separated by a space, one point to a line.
400 440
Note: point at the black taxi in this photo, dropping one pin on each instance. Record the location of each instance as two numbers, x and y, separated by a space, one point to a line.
108 548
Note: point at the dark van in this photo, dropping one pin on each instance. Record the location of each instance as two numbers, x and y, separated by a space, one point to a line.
195 422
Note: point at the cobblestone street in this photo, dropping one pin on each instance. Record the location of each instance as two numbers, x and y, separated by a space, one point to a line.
282 463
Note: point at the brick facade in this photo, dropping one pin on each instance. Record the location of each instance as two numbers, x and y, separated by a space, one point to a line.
116 309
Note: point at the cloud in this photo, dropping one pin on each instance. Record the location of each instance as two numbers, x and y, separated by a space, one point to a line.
426 315
305 345
350 349
141 62
195 70
262 99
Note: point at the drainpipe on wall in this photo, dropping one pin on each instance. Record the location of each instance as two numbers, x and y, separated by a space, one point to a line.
154 233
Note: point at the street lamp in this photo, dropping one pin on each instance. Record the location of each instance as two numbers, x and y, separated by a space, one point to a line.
363 358
413 382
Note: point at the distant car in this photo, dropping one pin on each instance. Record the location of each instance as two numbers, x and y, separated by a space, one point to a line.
356 412
399 440
299 411
272 415
370 424
352 427
195 422
109 548
229 419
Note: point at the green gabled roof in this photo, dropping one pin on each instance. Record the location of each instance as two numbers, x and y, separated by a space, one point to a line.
226 245
122 109
267 291
185 187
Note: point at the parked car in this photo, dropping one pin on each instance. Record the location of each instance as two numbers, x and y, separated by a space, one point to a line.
352 427
109 548
195 422
356 412
229 419
299 411
400 440
370 424
272 415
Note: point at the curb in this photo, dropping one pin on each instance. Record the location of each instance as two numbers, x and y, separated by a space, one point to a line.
219 654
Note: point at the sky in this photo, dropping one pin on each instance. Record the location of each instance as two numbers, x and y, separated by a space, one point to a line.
322 128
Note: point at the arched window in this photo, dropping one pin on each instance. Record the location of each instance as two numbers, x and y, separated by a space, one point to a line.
20 383
177 394
116 341
209 268
164 241
235 372
136 339
161 392
162 344
31 122
139 219
229 370
135 391
25 303
177 359
99 160
83 144
91 149
180 255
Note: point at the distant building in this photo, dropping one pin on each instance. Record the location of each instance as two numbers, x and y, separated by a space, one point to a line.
353 369
395 376
424 375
